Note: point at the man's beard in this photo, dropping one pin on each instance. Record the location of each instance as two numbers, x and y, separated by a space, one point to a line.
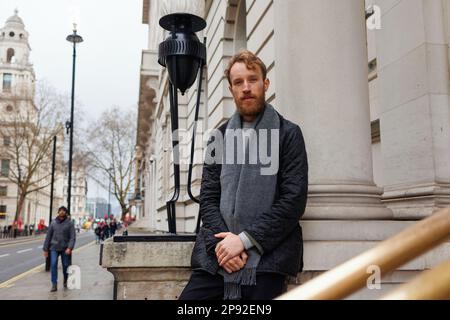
255 109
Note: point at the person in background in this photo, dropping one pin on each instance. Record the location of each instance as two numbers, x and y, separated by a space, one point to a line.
97 232
59 241
113 227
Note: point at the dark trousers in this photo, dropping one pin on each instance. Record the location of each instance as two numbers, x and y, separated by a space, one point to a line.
204 286
65 259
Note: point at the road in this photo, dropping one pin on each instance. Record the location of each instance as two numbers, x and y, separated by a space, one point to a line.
21 257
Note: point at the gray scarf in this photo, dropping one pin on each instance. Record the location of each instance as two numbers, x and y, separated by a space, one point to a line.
245 192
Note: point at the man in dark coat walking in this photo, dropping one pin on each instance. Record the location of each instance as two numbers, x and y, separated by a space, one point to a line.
59 241
250 241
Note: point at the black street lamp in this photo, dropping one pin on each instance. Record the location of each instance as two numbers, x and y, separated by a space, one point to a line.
47 260
74 38
184 56
109 191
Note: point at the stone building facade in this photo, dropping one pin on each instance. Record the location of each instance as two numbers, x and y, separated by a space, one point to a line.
17 92
369 88
79 189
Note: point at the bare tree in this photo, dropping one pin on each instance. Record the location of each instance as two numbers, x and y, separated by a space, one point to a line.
111 140
30 126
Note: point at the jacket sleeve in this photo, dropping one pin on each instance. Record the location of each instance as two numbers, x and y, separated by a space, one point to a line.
274 226
71 244
48 238
212 220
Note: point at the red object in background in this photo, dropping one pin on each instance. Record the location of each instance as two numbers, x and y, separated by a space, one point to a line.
106 216
41 224
18 224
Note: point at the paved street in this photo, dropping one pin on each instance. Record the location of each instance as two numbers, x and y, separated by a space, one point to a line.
96 282
21 257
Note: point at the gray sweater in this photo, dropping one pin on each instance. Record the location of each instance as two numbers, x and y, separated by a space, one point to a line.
60 235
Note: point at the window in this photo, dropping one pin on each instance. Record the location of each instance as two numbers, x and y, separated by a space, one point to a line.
6 141
7 79
9 55
373 73
375 128
9 108
11 34
2 212
3 191
5 168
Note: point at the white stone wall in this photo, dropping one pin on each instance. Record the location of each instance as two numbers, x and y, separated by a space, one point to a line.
413 89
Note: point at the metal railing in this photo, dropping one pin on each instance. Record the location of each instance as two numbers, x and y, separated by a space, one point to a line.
390 254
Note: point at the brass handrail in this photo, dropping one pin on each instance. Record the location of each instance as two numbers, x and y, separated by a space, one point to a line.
390 254
429 285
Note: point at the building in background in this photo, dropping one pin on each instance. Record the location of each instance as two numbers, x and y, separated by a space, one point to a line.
17 92
98 208
79 188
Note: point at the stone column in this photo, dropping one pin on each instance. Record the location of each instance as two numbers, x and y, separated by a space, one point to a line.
413 73
322 84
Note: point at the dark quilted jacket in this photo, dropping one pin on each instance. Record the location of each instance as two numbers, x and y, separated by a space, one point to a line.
278 231
60 235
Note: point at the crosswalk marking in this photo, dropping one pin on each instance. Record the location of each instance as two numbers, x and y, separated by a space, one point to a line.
22 251
4 255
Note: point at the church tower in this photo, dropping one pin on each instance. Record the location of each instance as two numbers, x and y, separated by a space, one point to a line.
17 78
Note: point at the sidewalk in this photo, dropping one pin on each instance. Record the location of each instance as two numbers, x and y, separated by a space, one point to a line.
96 282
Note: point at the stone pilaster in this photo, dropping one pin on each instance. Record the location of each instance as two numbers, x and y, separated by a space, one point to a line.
321 76
414 87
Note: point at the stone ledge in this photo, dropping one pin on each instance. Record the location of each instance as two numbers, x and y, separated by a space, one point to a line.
146 254
160 270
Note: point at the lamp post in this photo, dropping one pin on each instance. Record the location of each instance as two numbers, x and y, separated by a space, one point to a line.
47 260
184 56
109 191
74 38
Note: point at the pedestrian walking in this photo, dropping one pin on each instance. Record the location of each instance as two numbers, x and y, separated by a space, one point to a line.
113 227
59 241
97 232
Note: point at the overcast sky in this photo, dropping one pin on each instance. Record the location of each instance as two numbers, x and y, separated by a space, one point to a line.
108 61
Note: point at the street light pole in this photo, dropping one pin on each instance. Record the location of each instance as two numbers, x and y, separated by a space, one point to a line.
73 38
109 192
47 260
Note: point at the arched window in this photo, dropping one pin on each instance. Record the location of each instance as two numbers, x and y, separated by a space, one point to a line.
9 55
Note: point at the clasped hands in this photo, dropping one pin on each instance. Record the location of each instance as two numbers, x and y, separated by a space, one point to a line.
230 252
